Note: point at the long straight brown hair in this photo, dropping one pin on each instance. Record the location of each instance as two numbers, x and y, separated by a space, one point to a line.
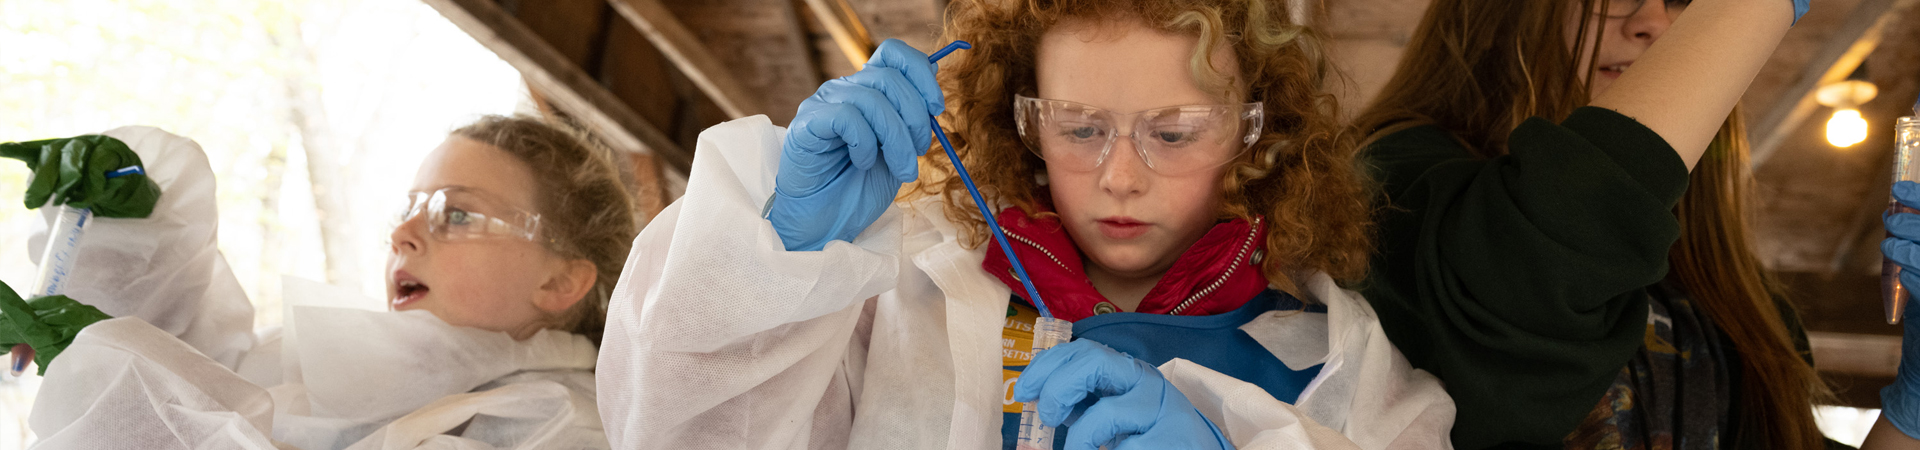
1478 68
1715 261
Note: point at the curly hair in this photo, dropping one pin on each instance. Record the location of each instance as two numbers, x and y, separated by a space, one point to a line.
586 211
1302 174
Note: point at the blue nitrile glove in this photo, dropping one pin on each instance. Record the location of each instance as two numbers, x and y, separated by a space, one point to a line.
1900 402
851 146
1135 405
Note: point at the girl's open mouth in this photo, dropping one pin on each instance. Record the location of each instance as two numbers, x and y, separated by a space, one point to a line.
407 290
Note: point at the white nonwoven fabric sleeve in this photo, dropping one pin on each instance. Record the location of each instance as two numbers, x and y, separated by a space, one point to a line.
125 384
719 247
717 337
166 268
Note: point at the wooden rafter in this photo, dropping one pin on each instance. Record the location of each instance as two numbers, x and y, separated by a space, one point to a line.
561 81
1848 46
1864 354
843 23
694 60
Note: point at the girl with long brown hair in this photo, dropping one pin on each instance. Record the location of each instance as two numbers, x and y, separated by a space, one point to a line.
1545 250
1170 175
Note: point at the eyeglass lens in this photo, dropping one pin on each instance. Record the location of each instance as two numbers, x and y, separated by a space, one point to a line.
1171 140
455 214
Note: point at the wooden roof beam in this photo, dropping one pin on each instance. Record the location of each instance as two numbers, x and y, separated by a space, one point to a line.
843 23
561 81
1864 354
694 60
1844 51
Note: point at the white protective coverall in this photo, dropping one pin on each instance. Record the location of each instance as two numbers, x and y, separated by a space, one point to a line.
181 368
718 338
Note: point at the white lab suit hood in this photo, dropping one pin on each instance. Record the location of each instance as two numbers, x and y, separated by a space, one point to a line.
719 338
164 375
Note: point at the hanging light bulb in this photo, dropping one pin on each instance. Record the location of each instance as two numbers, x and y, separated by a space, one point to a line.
1846 128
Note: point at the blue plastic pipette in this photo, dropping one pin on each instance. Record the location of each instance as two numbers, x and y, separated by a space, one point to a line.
1019 271
1047 330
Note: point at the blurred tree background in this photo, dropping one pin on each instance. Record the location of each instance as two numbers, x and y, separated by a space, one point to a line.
314 115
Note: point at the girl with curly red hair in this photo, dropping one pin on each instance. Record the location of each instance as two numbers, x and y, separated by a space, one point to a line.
1169 174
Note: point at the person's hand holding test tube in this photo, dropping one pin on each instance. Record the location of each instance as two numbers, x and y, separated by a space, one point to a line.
81 177
1899 423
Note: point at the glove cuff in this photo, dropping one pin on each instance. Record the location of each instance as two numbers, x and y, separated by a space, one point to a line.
1218 437
791 239
1898 406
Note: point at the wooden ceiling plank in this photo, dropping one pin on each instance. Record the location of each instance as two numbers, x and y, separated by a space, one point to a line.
575 28
695 61
560 81
1864 354
1844 50
843 23
633 70
1866 220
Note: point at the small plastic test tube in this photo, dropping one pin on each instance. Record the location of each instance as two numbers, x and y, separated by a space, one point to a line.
1906 167
63 242
63 246
56 266
1047 332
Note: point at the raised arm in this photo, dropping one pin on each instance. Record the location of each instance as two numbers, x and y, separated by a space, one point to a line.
1687 83
164 267
719 337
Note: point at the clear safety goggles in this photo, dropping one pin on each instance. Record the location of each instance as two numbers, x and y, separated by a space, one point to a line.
1175 140
459 213
1621 9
